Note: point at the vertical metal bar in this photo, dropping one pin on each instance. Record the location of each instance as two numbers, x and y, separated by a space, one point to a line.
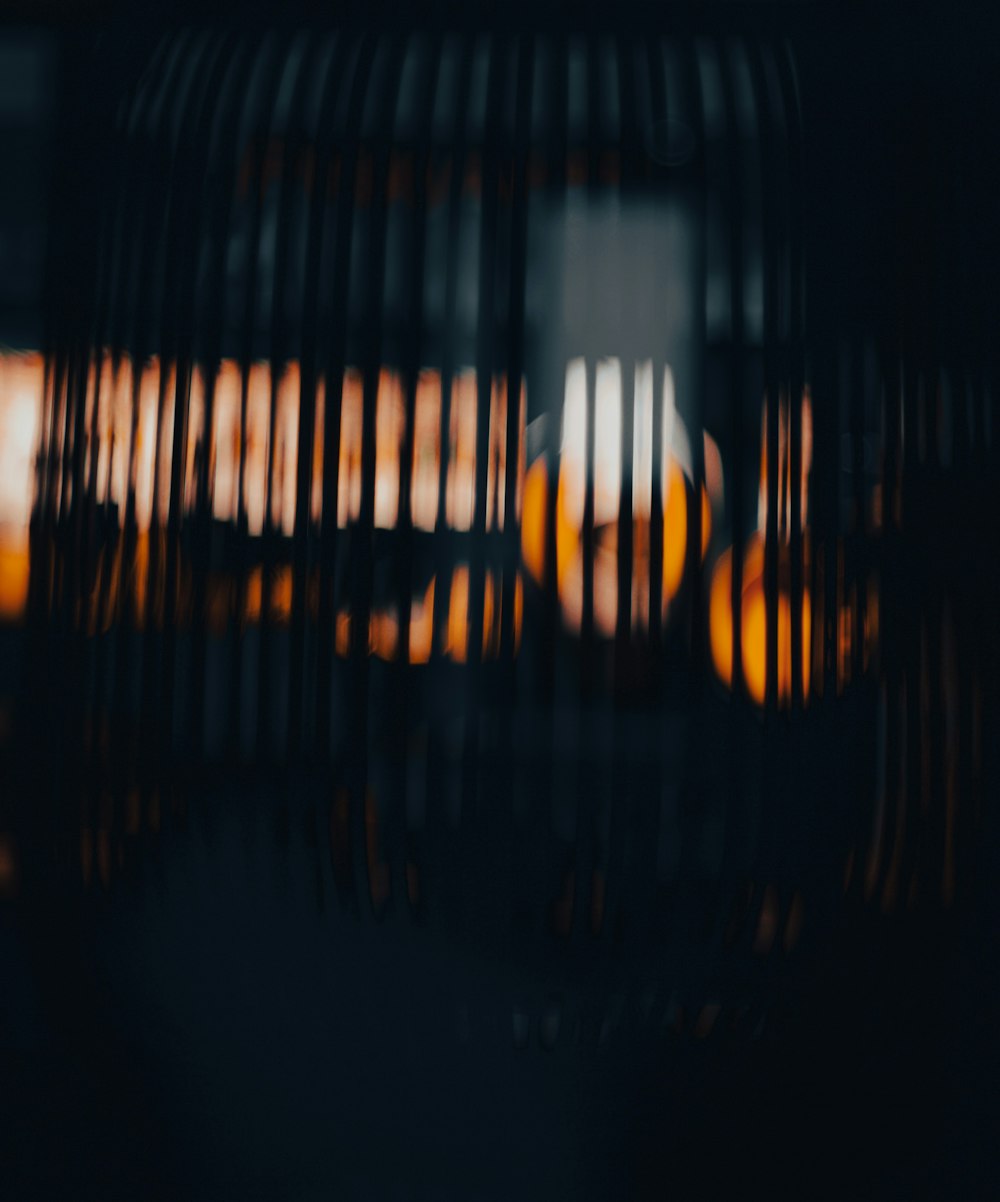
485 361
587 850
661 468
209 335
292 143
516 352
177 128
398 849
302 713
333 349
362 547
187 237
247 351
771 734
436 888
891 666
796 398
618 903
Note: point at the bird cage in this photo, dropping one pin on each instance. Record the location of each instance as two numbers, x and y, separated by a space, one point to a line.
450 459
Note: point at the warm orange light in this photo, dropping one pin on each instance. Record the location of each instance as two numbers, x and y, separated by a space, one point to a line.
258 387
496 468
426 451
383 633
195 441
754 603
139 579
674 531
319 449
460 487
753 626
569 551
536 489
720 616
284 454
706 522
871 622
458 615
281 594
784 466
349 477
21 392
714 479
254 595
224 451
342 638
422 626
144 457
390 426
13 582
605 483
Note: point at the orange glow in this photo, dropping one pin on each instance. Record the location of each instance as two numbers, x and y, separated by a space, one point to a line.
460 487
491 620
383 633
280 609
706 522
195 440
674 531
422 626
720 617
224 452
13 582
458 615
349 478
383 630
753 625
496 468
218 602
139 579
390 425
714 479
285 452
871 623
319 428
536 488
8 866
426 451
165 443
571 492
145 444
139 461
754 604
22 381
784 467
518 611
254 595
343 634
258 450
845 641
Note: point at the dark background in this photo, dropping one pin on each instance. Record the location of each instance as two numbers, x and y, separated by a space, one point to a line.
203 1033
